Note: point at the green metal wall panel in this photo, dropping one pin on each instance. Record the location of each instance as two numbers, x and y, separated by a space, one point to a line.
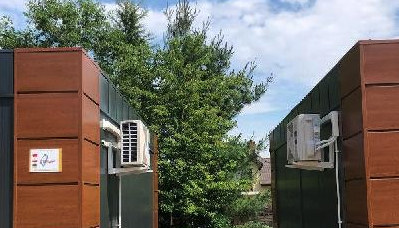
6 137
306 199
136 189
125 114
112 102
104 94
138 202
119 107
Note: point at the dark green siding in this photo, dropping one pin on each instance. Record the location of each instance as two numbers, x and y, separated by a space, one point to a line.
138 200
302 198
136 189
6 137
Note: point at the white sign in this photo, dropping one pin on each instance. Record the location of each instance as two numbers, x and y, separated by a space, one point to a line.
45 161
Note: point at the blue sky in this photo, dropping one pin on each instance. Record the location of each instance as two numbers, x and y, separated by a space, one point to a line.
298 41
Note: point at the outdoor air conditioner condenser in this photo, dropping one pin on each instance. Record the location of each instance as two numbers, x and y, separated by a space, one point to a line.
135 138
303 133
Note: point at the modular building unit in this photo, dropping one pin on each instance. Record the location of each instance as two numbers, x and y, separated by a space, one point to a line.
52 102
364 88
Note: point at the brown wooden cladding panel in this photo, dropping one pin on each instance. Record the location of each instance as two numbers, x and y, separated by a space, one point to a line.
384 201
61 117
349 71
47 71
351 110
47 207
354 157
383 154
380 63
349 225
90 78
47 115
386 226
356 202
382 107
90 120
90 206
69 173
90 163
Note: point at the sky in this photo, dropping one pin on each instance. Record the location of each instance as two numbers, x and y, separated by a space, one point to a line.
296 41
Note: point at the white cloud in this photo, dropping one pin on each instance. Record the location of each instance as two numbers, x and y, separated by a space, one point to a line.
109 7
14 5
299 46
14 9
301 2
156 23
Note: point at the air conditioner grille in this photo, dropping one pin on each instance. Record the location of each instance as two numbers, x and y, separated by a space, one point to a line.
129 142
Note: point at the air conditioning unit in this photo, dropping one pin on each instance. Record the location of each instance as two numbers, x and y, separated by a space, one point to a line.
135 140
305 149
303 132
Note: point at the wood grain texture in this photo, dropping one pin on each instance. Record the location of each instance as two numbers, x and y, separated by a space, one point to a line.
52 111
350 225
356 202
69 162
382 108
384 201
380 63
383 154
353 154
349 71
90 163
47 115
90 120
90 78
47 71
351 113
47 207
90 206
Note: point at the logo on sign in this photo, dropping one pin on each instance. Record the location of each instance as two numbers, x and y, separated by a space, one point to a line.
45 160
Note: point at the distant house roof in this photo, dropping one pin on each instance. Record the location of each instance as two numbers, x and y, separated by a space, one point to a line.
265 173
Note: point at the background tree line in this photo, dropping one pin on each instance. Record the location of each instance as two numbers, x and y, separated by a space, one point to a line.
183 87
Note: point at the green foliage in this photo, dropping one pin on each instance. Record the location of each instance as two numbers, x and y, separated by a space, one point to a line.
185 90
12 38
249 208
252 225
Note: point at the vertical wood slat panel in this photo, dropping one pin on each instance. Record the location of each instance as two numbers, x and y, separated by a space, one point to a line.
47 115
90 78
44 70
62 112
380 78
380 63
90 120
383 154
384 201
69 172
90 206
48 206
382 107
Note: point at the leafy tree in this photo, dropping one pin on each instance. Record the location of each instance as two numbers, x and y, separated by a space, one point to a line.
199 96
248 208
185 90
252 225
